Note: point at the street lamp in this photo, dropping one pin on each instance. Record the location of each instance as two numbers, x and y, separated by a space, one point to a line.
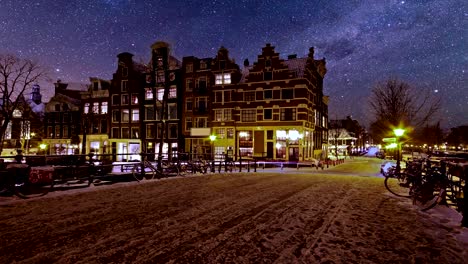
398 133
43 148
212 139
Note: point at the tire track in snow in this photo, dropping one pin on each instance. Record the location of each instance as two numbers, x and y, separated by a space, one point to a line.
187 246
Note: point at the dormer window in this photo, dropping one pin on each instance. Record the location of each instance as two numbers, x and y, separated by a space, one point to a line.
17 113
202 65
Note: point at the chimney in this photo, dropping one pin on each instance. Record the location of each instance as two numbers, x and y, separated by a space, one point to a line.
246 63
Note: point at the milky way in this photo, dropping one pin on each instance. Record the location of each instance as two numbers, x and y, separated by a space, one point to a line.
420 42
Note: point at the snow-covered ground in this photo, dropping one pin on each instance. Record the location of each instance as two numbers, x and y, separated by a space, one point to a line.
289 216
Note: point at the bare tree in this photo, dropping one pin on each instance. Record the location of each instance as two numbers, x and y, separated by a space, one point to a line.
16 76
396 103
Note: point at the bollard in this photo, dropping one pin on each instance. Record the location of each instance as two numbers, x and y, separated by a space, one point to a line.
240 164
255 165
281 165
212 166
248 166
219 167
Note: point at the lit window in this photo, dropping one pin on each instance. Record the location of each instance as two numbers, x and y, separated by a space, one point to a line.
173 92
104 108
17 113
134 98
135 115
125 115
148 93
160 94
86 108
95 108
125 99
219 115
150 129
223 78
249 115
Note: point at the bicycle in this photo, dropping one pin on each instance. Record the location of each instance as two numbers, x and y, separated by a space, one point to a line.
18 179
144 170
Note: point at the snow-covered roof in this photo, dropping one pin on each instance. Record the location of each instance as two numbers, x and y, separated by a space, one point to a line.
296 65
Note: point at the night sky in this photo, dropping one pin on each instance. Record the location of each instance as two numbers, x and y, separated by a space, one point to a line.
421 42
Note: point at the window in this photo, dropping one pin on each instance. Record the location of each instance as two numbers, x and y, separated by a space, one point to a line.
115 116
223 78
125 99
159 130
125 115
160 93
124 71
95 127
267 114
267 63
125 132
200 104
188 104
287 93
173 131
172 111
269 134
249 96
227 114
148 94
115 99
95 108
86 108
115 132
149 113
134 99
201 83
66 117
201 122
135 132
267 76
123 85
227 96
230 133
57 107
188 123
95 86
135 115
248 115
189 67
202 65
219 115
65 132
189 84
221 132
57 132
160 77
173 92
288 114
218 97
150 131
245 139
104 108
268 94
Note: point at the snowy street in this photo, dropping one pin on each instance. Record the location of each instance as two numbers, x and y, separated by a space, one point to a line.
342 214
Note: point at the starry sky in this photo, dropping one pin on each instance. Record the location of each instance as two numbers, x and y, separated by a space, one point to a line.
422 42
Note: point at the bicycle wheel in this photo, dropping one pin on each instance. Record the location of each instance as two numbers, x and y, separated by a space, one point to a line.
428 195
399 185
34 184
139 175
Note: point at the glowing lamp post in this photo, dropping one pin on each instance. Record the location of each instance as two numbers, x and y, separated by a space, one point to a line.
43 148
398 133
212 139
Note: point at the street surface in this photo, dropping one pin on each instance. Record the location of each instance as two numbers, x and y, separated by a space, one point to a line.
342 214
